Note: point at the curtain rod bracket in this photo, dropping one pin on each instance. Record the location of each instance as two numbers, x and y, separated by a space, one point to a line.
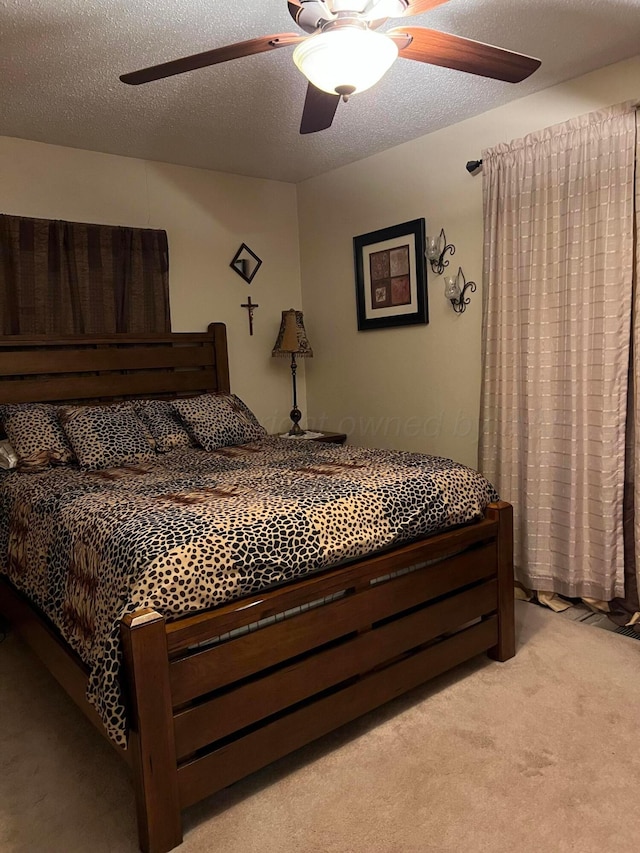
474 166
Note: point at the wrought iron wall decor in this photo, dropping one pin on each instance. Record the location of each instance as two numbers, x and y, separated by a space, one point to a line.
455 292
437 248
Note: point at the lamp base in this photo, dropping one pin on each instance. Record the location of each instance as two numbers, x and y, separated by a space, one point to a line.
295 414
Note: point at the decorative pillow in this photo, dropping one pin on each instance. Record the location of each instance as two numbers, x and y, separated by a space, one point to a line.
242 408
106 436
128 406
36 435
219 420
8 456
164 424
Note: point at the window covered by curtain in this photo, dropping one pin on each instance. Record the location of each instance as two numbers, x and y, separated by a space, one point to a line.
558 274
60 278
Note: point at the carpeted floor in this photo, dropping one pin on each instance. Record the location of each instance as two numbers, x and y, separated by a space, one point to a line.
539 754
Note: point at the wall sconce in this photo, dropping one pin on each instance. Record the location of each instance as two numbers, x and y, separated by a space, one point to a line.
455 293
436 250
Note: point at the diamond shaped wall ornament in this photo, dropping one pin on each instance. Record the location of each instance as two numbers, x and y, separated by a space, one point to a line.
246 263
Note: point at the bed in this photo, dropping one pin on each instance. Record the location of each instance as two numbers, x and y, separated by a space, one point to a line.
216 694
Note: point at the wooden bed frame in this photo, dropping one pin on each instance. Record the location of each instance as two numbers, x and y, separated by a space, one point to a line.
201 719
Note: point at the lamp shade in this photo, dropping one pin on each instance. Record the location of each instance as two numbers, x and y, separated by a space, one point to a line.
347 59
292 337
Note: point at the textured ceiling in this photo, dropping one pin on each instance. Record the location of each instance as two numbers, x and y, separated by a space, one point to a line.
60 61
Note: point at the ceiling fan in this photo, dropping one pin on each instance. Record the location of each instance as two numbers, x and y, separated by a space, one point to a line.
345 54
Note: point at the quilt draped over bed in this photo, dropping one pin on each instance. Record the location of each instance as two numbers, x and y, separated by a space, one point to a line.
191 530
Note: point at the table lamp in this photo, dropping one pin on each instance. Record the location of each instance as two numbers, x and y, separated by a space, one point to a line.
292 340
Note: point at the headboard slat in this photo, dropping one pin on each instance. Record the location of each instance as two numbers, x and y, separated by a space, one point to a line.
19 341
121 366
86 360
123 385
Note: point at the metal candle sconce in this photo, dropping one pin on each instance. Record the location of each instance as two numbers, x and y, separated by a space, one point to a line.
455 293
436 250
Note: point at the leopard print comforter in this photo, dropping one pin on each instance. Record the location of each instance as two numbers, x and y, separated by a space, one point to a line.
193 529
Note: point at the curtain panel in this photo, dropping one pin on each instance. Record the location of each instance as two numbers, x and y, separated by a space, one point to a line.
632 508
558 275
61 278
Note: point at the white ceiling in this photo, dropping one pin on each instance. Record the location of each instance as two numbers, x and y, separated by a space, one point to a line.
60 61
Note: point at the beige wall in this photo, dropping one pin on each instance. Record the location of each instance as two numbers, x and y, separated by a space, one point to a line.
416 388
207 216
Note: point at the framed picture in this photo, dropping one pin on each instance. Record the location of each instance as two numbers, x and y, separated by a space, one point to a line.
391 276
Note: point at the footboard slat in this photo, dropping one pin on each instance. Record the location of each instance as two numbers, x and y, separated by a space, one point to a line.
222 715
212 668
230 763
190 630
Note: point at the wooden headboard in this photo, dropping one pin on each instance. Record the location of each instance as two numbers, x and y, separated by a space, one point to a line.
112 367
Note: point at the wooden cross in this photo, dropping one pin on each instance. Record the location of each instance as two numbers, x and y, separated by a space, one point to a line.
250 308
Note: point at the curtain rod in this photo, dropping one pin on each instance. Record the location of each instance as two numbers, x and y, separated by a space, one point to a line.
474 166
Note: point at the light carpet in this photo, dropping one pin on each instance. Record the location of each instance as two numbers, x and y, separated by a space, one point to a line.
538 754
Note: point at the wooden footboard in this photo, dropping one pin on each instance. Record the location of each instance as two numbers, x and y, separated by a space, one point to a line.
204 715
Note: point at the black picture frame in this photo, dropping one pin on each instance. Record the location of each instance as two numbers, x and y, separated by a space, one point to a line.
391 276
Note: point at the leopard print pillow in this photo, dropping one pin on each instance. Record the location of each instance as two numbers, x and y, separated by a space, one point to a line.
219 420
237 405
36 435
164 424
106 436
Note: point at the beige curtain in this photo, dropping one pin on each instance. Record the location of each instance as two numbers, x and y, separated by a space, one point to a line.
632 527
558 274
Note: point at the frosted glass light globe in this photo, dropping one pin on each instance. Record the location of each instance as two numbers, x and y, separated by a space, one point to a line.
347 58
451 287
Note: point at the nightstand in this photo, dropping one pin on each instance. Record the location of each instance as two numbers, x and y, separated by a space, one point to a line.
327 437
331 437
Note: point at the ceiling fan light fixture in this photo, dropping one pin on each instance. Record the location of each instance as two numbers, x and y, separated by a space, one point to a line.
346 57
385 9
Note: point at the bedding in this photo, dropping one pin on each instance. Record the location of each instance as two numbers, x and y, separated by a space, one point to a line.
36 435
190 529
218 420
164 423
106 436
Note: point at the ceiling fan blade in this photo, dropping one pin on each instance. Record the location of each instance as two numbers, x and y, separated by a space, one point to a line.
319 110
417 7
211 57
461 54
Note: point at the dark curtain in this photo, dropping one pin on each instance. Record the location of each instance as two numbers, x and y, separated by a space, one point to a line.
61 278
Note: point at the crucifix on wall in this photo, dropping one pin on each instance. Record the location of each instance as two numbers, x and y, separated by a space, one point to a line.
250 309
